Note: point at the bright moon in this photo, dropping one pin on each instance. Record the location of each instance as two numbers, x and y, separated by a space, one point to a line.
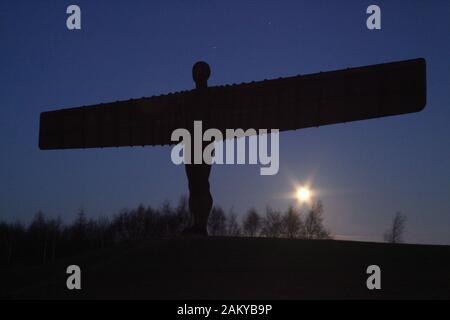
303 194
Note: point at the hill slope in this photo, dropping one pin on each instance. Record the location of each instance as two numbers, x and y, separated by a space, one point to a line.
241 268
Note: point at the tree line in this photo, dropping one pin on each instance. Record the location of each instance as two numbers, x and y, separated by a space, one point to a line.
46 239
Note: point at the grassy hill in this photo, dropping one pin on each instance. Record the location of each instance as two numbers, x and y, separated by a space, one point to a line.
240 268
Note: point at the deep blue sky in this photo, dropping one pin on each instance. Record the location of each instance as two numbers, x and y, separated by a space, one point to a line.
364 171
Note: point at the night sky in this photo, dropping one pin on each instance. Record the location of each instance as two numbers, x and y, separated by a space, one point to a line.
364 172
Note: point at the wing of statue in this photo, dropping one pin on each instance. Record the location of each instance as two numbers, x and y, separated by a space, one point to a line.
286 104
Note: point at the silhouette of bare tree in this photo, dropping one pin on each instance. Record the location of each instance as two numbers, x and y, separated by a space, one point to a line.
272 224
217 224
293 226
314 228
397 229
233 226
252 223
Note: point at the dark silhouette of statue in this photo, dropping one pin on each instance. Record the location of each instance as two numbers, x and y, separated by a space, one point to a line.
200 199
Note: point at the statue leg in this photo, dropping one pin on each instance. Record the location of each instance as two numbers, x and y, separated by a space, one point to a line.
200 199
